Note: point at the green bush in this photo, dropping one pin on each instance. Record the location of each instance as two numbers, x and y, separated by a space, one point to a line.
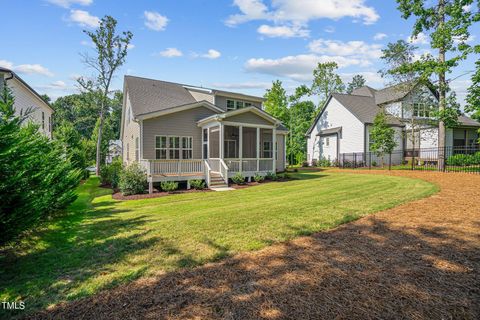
110 173
238 178
258 177
169 186
464 159
132 180
197 184
271 176
37 178
324 162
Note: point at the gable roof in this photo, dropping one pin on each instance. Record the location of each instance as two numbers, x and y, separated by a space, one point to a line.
148 95
35 93
467 121
364 91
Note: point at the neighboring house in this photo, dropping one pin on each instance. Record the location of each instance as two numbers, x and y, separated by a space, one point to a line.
28 101
114 150
344 124
179 132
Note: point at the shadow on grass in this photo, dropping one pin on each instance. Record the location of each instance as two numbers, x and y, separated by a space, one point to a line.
364 270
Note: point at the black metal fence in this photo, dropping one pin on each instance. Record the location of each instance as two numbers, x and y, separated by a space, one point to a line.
448 159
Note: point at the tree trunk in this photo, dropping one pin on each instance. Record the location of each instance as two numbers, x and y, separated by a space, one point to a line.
99 142
442 90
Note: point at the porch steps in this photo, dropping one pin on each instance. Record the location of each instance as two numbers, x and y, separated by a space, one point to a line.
216 181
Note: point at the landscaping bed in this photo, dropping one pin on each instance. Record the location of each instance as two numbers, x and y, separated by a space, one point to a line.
156 194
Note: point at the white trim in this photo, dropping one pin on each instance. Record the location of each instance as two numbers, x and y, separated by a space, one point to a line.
250 125
274 145
198 89
240 146
189 106
255 110
167 147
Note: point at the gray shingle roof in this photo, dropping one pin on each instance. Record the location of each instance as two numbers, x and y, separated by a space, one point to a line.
363 107
364 91
147 95
467 121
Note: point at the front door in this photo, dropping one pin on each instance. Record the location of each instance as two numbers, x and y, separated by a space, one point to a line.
328 147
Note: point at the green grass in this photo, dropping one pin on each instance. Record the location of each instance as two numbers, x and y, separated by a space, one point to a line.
102 242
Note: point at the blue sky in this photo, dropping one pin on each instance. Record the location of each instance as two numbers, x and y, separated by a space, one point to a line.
237 45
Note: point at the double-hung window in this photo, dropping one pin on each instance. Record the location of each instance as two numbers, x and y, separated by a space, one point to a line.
230 105
187 148
173 147
267 149
237 104
421 110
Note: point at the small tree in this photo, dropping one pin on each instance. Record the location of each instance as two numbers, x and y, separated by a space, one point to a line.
111 52
326 81
358 81
382 136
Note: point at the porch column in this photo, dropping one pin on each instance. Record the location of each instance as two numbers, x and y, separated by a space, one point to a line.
274 149
221 141
240 147
208 143
258 149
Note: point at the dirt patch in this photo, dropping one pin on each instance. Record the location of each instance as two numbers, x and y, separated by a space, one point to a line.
420 260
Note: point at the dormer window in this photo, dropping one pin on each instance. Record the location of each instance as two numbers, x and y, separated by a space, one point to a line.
421 110
237 104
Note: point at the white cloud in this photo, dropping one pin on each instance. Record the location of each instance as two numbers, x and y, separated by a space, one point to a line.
283 31
242 85
468 39
26 68
421 38
359 49
299 67
379 36
84 19
56 85
130 46
171 53
211 54
68 3
155 21
302 11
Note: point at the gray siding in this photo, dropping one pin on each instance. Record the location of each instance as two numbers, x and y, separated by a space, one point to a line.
182 123
280 163
221 102
248 117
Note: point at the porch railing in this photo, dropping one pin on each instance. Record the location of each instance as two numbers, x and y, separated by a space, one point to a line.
249 165
173 167
224 171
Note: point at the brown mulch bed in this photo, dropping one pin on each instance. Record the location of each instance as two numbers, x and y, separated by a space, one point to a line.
420 260
156 194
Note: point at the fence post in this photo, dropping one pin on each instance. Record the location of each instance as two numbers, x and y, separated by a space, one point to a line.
369 160
343 162
354 160
390 161
413 159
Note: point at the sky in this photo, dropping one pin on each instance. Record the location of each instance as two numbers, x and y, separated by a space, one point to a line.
236 45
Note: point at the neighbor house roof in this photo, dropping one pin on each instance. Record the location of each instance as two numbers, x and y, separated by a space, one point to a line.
363 107
5 70
467 121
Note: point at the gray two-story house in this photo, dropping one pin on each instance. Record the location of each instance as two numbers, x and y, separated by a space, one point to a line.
179 132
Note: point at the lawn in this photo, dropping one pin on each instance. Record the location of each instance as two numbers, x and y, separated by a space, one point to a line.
100 242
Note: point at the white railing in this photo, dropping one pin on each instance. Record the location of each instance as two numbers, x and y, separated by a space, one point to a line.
224 171
249 165
207 172
173 167
214 164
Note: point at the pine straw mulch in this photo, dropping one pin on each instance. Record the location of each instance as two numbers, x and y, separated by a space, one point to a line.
117 195
420 260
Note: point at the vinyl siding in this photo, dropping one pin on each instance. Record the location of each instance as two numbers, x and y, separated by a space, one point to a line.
336 115
131 131
280 163
25 99
248 117
182 123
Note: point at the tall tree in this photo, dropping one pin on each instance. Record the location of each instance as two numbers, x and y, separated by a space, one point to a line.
447 23
276 102
358 81
473 97
111 52
302 113
326 81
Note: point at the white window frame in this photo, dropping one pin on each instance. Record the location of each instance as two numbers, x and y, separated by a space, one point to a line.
422 110
234 105
169 149
238 104
226 148
189 147
269 149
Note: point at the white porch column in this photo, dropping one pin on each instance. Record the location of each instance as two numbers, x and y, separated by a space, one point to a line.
220 141
240 147
258 149
274 149
208 143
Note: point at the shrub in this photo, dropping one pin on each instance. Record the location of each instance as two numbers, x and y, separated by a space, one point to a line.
258 178
324 162
374 163
110 173
132 180
305 164
464 159
169 186
37 178
238 178
271 176
197 184
314 162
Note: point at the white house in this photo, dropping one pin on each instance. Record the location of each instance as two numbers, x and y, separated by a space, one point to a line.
345 121
27 100
114 150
